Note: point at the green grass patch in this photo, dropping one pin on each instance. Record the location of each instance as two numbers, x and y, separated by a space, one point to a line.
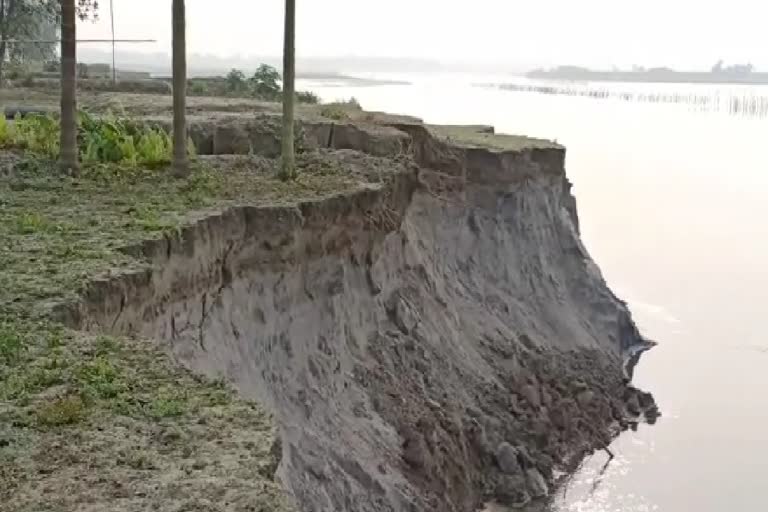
56 234
100 378
62 411
168 405
105 139
11 343
138 459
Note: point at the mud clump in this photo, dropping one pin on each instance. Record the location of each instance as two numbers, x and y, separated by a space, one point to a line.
543 410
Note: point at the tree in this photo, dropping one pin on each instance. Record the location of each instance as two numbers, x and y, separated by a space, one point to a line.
33 19
68 148
24 19
288 163
180 159
235 80
264 82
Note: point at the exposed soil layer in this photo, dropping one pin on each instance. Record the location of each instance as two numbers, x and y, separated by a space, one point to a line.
434 339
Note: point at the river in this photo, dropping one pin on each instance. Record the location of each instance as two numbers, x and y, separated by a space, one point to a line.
673 205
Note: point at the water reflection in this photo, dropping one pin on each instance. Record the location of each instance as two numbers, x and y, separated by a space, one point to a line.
738 102
591 488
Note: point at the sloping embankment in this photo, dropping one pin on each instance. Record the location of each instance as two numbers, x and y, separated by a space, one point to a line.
430 343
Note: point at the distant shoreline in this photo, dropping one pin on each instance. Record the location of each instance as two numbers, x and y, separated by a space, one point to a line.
350 80
651 76
324 76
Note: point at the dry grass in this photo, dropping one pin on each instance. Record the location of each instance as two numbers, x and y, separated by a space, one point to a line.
108 421
469 136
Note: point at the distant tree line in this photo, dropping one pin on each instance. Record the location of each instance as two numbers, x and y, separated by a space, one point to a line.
718 69
736 69
264 84
24 20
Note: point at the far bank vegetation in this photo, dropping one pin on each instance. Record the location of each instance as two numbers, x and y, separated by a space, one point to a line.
264 84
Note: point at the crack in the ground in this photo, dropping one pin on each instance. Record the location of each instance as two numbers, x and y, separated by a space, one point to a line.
205 307
119 313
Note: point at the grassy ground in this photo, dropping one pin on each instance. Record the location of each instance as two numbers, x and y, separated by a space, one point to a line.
103 423
469 136
160 105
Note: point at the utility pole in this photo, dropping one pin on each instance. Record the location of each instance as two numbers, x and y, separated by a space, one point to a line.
112 18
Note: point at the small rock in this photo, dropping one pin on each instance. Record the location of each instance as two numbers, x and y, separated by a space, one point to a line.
511 491
525 458
405 317
473 412
646 400
531 394
584 398
579 385
433 404
317 468
414 451
559 417
536 483
506 458
546 398
633 406
652 415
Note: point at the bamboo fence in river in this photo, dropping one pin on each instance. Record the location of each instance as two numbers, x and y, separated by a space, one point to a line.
742 103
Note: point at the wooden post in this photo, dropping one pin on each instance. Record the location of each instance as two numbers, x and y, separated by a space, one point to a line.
180 159
288 163
68 158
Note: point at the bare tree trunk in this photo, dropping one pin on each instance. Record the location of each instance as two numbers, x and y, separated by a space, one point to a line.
112 21
68 160
6 11
2 58
288 164
180 159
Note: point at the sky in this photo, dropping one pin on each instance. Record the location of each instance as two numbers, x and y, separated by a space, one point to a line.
518 34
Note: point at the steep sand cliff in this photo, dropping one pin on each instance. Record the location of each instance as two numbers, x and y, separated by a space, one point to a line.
434 339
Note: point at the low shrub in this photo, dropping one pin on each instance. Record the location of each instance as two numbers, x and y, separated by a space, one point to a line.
101 140
340 110
307 97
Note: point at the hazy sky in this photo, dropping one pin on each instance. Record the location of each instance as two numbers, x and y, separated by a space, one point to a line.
681 33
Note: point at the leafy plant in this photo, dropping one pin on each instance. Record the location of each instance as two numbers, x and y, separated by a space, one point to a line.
105 140
334 112
352 104
101 140
64 411
5 132
101 378
166 406
139 460
11 343
36 133
264 82
154 148
307 97
340 110
236 80
30 222
197 88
